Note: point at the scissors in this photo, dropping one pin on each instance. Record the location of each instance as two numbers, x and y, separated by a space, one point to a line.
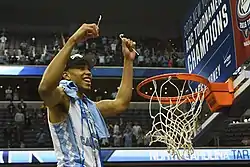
121 36
99 20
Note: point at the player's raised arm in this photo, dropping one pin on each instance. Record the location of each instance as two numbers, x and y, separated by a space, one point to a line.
48 86
122 100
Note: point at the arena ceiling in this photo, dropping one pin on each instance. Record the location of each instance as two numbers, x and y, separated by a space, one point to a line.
158 18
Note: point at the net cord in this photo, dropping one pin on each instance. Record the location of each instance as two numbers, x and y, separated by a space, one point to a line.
178 129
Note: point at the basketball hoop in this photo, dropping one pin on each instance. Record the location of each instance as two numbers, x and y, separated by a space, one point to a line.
174 125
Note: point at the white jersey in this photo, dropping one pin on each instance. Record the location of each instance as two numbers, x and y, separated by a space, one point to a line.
75 140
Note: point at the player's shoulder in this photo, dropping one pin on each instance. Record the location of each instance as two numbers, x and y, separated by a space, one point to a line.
59 112
63 104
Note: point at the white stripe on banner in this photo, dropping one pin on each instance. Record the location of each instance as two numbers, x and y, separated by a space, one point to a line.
48 156
163 155
10 70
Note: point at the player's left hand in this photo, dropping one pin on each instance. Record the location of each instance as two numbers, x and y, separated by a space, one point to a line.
128 47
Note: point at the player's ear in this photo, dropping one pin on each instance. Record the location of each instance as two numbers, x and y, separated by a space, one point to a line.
66 75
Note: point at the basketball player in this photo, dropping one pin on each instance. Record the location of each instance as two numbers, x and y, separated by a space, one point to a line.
75 121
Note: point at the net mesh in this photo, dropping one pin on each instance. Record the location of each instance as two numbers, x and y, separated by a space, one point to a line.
174 124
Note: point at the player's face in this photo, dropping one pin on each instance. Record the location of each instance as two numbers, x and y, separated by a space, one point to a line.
82 77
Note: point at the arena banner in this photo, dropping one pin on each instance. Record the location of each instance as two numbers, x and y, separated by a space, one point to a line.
241 26
140 72
146 155
209 40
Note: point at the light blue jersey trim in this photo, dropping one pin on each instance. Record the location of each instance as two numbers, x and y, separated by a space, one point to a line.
80 158
60 132
64 132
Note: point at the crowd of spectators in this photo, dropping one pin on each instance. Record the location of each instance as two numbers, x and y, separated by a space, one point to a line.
107 50
18 121
16 118
129 134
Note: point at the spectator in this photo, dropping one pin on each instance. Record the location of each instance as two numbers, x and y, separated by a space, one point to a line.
134 140
117 139
86 46
16 95
101 58
110 128
170 62
19 118
75 51
161 59
136 129
28 117
2 58
104 40
3 40
56 46
6 53
129 127
11 108
93 47
246 141
127 138
121 125
116 128
7 132
147 61
45 118
113 94
22 107
147 139
140 60
113 47
40 138
22 145
105 142
146 52
154 60
43 109
17 137
140 139
109 58
8 93
138 49
24 47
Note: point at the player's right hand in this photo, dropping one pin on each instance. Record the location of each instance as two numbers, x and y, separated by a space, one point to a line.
85 32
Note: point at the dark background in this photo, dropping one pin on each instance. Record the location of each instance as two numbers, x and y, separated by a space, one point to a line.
159 18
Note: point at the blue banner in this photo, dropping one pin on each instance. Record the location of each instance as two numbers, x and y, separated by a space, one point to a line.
97 71
209 40
149 155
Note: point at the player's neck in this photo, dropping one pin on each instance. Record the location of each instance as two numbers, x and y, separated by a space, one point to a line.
80 94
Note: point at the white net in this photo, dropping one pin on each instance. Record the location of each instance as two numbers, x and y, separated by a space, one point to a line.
174 124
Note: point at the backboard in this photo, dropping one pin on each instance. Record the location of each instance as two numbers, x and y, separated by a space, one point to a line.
216 43
217 120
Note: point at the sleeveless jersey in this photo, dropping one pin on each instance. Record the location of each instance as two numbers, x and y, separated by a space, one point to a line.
75 139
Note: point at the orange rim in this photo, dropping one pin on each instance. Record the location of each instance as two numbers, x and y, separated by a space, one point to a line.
180 76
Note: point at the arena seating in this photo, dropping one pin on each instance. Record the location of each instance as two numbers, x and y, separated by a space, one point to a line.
26 50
